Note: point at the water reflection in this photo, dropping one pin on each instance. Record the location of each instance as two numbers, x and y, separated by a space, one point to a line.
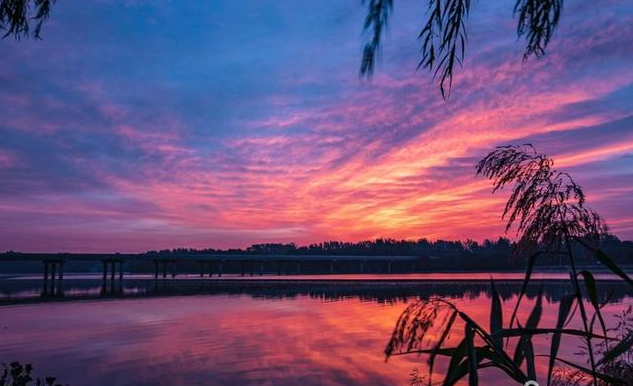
18 290
234 332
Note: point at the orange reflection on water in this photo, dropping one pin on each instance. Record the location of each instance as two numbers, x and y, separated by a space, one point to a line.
226 340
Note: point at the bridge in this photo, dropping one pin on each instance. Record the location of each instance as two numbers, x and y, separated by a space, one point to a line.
217 264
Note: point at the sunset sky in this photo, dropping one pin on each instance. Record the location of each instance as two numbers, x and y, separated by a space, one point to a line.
148 124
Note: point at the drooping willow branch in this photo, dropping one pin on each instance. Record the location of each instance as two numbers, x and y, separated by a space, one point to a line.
376 20
17 17
443 36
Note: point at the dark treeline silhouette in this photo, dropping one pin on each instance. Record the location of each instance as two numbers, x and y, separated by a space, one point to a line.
439 253
378 247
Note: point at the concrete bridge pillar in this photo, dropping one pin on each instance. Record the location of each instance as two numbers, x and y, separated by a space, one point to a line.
60 279
45 270
53 278
53 275
45 285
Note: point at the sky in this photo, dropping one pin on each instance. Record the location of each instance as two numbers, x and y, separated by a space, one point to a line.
151 124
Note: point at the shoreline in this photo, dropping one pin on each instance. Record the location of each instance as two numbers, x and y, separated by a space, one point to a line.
601 274
28 290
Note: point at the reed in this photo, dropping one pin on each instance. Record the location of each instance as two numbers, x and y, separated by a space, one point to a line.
547 209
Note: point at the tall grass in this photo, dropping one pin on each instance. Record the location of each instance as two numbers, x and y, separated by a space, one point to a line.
547 210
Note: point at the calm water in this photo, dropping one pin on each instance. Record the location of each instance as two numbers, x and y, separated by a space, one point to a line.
185 332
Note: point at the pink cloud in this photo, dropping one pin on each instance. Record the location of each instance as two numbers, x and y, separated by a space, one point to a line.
381 159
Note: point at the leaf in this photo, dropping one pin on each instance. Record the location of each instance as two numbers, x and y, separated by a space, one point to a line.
456 358
607 262
464 366
504 361
519 352
619 349
529 358
563 310
590 283
525 343
535 315
497 361
473 379
496 315
507 332
607 378
447 352
526 280
440 342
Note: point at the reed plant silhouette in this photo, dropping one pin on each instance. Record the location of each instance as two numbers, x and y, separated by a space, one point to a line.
621 367
16 374
547 209
416 378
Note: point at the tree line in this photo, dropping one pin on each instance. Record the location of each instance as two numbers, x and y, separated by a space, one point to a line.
492 253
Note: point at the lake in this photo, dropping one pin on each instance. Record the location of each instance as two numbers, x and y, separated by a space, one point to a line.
327 330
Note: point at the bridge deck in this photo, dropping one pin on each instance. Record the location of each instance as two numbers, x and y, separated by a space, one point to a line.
196 257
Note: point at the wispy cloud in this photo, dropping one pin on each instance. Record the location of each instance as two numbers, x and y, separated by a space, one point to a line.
225 138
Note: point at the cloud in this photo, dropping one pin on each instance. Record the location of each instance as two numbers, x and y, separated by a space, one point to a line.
256 128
